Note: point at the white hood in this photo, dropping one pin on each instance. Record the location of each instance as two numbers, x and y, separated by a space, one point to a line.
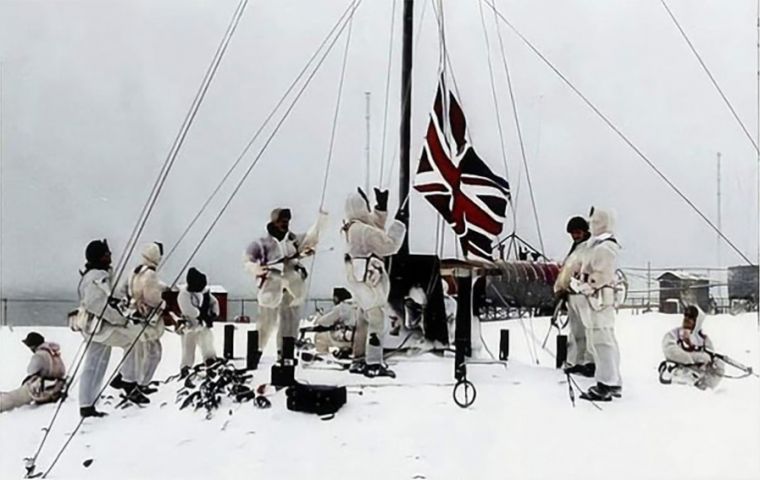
151 254
602 221
357 209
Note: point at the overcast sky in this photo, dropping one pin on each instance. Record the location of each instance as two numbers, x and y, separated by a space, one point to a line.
94 92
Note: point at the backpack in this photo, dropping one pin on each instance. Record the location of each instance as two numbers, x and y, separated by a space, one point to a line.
319 399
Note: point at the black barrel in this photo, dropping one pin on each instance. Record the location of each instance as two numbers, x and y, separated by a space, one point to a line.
504 344
252 350
229 341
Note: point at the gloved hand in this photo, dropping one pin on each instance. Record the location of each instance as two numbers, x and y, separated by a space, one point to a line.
256 269
381 200
364 197
115 303
701 357
301 270
576 286
585 289
402 215
180 326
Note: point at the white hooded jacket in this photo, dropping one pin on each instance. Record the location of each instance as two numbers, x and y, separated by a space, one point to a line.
600 257
94 289
46 362
269 252
367 244
190 303
145 288
571 268
365 231
688 347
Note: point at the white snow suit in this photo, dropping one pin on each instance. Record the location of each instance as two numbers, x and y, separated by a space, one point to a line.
597 284
342 318
195 333
281 279
145 290
367 279
578 311
114 330
44 382
687 348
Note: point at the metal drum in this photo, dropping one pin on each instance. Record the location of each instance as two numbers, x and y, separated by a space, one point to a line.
518 285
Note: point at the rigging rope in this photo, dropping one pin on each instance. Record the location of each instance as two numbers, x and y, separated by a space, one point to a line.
496 105
146 211
205 236
337 110
709 74
619 133
332 136
255 136
387 90
240 183
179 140
519 134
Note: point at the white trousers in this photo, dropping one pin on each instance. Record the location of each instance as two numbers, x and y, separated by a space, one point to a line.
287 326
202 338
604 346
280 297
15 398
93 371
375 321
578 316
147 357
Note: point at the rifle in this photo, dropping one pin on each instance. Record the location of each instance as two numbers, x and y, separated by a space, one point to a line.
730 361
555 320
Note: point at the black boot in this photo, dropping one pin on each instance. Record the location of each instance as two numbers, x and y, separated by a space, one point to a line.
357 367
211 362
118 383
343 353
90 411
616 391
147 389
134 395
588 370
573 369
378 370
598 393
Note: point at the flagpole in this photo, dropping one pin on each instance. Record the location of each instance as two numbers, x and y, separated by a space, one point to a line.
406 116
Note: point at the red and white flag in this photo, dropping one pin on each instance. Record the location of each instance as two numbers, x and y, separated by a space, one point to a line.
457 183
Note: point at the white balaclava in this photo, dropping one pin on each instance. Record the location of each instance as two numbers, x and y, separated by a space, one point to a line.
602 221
152 254
357 208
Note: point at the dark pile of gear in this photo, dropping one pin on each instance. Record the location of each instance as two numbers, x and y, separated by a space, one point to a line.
204 386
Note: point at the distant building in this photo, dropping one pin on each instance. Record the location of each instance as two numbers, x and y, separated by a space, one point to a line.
743 283
678 289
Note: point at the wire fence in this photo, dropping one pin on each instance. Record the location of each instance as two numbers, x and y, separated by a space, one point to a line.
53 312
644 291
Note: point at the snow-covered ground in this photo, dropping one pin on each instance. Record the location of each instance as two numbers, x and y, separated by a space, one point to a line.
522 425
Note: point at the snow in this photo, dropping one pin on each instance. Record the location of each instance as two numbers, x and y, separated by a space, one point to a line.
521 426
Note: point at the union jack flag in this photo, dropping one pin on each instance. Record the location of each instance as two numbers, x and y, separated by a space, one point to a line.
457 183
